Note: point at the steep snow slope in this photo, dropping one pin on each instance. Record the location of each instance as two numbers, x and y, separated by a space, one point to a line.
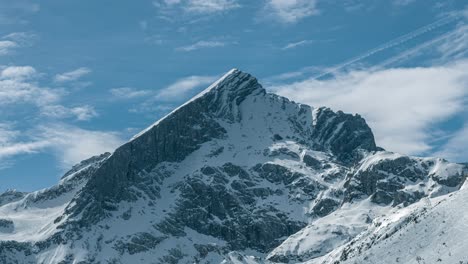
430 231
382 184
235 175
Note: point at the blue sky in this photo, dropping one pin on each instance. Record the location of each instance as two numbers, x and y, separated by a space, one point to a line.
78 78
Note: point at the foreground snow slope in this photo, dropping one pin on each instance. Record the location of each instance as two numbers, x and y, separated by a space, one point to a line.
235 175
431 231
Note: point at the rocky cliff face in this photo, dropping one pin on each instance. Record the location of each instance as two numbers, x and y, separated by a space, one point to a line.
235 175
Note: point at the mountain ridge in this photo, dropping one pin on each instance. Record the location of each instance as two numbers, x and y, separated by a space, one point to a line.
235 175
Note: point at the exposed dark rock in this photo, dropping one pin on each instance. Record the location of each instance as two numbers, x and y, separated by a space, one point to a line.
343 134
325 206
312 162
276 173
218 194
140 242
6 226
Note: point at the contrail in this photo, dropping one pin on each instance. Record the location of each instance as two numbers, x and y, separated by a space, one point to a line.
392 43
416 49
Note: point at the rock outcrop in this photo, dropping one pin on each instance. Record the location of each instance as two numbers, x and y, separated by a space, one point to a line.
235 175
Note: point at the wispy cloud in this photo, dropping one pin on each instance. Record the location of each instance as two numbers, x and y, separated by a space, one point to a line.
11 145
455 149
390 44
416 99
19 148
182 86
293 45
291 11
7 46
18 73
70 143
198 6
457 44
167 98
202 44
81 113
24 39
211 6
72 75
400 104
129 93
19 86
14 41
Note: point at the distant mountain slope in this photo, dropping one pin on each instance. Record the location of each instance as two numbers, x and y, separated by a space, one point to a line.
235 175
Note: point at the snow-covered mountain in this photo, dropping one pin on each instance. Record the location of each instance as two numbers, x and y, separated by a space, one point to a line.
239 175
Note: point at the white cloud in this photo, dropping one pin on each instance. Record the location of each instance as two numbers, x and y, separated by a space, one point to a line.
17 85
23 39
7 134
14 149
456 149
297 44
69 143
18 73
202 44
210 6
456 45
81 113
391 44
6 46
15 40
182 86
198 6
84 112
72 75
291 11
129 93
401 104
11 146
72 144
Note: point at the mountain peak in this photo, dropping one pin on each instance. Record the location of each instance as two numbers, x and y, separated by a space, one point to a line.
237 175
231 85
232 88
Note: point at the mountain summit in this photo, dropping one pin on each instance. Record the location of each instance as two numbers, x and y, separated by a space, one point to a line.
235 175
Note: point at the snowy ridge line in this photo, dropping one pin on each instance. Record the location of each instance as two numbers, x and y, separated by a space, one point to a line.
283 183
211 87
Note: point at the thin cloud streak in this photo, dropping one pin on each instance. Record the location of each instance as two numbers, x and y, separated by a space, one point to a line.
128 93
202 45
72 75
390 44
297 44
196 7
